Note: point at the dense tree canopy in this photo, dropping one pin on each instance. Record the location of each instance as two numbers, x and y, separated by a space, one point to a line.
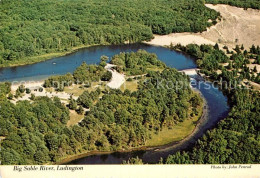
236 138
133 116
137 63
211 59
84 74
35 132
5 88
255 4
38 27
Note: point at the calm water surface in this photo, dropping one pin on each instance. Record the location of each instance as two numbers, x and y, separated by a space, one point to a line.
217 102
91 55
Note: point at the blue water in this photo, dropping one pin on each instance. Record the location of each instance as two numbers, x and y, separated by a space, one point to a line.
217 102
91 55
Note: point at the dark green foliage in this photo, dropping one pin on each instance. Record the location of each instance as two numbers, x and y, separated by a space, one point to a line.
36 133
136 160
106 76
88 73
59 82
255 4
258 60
80 110
72 104
27 90
86 99
25 126
126 119
83 74
103 61
38 27
10 96
17 93
194 50
137 63
40 89
32 97
21 89
226 144
5 88
207 56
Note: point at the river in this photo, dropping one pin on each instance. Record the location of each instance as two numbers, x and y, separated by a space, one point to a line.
216 101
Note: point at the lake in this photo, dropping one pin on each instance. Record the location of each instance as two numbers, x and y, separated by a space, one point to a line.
217 103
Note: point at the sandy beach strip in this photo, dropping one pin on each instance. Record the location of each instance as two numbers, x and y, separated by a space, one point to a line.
236 27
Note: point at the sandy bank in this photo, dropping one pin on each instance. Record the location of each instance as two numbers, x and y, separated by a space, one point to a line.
237 26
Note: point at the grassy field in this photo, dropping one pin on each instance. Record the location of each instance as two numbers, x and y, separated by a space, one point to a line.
130 85
77 90
74 118
177 133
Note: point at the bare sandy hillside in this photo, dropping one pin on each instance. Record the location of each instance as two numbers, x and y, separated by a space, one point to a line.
237 26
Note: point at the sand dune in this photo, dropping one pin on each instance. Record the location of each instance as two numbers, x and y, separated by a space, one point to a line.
237 26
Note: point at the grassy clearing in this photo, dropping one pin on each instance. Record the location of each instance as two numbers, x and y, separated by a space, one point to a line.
130 85
177 133
77 90
74 118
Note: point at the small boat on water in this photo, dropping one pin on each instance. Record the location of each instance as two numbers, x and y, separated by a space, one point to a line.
54 63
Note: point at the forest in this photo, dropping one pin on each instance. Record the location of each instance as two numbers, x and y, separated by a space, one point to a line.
35 131
31 30
84 74
136 63
255 4
211 59
236 138
131 63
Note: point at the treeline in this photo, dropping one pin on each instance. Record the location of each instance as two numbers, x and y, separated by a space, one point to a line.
38 27
137 63
84 74
124 120
234 141
134 63
236 138
5 88
255 4
211 59
35 132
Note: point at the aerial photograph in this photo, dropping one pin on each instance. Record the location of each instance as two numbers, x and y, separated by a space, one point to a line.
129 82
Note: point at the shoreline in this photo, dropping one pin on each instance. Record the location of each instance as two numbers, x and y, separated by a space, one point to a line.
147 148
48 56
229 31
202 117
218 33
